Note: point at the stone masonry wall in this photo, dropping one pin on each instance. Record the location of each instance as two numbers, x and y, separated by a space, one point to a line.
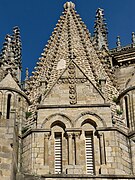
117 153
124 74
8 152
26 155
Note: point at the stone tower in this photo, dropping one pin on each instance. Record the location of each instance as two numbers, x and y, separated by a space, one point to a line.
13 106
74 118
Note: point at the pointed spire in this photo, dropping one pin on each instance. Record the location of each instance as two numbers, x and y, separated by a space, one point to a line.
118 43
10 57
17 46
133 39
7 55
100 33
70 43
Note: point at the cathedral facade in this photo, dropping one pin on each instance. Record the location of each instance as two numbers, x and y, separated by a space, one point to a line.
74 118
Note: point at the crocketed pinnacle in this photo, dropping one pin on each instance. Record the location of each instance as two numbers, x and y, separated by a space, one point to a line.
7 54
17 46
100 33
10 57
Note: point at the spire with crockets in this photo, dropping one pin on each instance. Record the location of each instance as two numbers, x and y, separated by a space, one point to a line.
100 33
17 47
10 57
70 47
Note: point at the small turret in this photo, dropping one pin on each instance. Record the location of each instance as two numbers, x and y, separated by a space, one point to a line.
118 43
100 33
133 39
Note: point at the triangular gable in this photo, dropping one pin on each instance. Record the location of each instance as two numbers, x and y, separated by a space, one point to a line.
65 91
9 82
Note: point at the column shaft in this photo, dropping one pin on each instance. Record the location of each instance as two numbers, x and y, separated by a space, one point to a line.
70 149
46 138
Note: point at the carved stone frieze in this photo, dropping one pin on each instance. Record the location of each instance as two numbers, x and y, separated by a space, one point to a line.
72 84
76 80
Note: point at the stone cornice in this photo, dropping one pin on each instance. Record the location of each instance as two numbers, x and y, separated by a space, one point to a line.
72 106
124 56
123 50
34 131
112 129
79 130
82 176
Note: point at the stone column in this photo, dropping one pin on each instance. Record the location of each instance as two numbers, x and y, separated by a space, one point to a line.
70 148
46 138
102 148
77 135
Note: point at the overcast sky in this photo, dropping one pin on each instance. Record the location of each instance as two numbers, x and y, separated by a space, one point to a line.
37 18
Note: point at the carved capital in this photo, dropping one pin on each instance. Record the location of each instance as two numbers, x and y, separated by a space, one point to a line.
47 135
77 135
70 134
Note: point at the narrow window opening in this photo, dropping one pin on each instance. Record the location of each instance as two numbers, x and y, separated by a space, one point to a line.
8 106
127 112
58 153
89 152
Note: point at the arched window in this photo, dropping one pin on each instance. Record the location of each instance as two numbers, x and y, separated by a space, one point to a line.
88 127
127 111
58 129
8 106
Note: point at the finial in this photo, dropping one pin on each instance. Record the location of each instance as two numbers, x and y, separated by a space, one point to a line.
133 39
69 5
16 28
100 32
118 42
100 12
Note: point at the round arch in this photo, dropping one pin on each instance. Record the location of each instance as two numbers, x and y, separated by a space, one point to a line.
58 123
96 120
49 121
